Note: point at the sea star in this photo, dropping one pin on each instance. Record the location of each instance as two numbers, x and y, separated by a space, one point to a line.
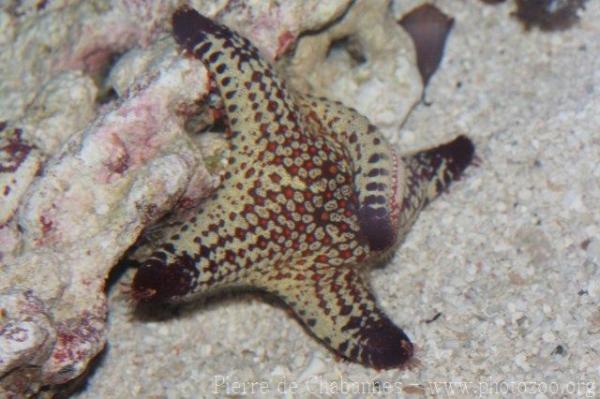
313 194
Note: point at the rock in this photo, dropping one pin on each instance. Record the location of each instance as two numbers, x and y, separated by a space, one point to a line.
88 205
360 59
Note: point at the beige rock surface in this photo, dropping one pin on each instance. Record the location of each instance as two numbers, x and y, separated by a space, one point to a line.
364 55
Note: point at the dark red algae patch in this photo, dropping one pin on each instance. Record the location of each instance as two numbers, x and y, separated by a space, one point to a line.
428 27
13 150
548 15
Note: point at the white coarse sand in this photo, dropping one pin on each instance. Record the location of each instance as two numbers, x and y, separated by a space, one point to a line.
508 260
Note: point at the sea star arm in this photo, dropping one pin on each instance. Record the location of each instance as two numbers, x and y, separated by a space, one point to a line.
391 189
374 163
428 174
216 247
257 104
337 307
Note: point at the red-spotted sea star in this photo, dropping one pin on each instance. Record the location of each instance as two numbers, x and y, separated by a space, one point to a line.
313 194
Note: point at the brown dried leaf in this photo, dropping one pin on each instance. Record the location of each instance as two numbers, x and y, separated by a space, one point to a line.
429 28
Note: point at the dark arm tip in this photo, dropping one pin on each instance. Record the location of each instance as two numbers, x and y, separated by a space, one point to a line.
189 27
375 224
386 346
459 154
155 281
